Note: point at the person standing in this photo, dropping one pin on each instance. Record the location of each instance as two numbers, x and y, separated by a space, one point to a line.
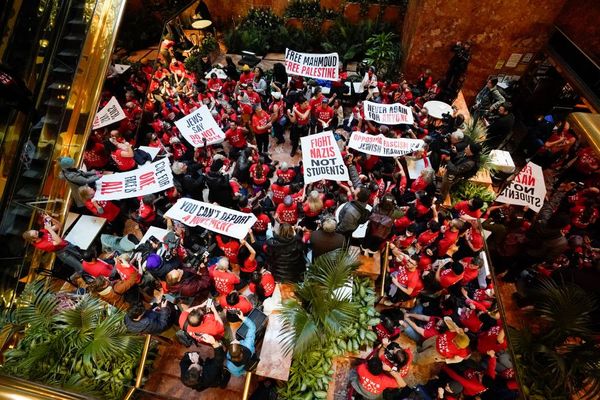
276 108
300 118
261 126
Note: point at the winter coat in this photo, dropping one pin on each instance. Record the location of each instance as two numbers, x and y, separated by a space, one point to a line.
152 322
191 284
285 258
219 190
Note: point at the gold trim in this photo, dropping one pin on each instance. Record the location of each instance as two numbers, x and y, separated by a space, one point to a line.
247 382
12 388
587 126
386 261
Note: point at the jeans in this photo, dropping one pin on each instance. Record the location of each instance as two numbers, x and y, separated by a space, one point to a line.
71 257
295 134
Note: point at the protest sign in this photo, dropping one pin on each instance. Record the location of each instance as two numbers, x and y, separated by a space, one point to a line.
322 159
388 114
200 125
318 66
120 68
212 217
526 189
110 113
380 145
147 179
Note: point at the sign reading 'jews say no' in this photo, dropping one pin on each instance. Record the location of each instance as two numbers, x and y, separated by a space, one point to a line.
199 126
212 217
317 66
147 179
321 158
526 189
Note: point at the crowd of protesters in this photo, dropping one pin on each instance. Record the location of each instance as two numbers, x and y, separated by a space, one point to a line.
438 292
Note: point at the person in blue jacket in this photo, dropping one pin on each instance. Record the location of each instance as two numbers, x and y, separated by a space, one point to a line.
140 320
240 352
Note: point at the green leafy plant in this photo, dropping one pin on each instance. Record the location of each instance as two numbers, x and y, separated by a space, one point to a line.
303 9
560 357
326 319
467 190
383 52
77 345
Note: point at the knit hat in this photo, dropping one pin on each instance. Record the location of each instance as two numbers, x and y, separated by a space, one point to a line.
288 200
153 261
66 162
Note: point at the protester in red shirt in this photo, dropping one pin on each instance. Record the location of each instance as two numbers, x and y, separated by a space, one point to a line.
300 118
229 246
96 267
95 155
280 190
373 377
447 277
470 208
450 237
287 212
324 114
247 76
214 84
122 154
286 173
235 301
259 172
247 260
261 126
224 280
262 222
450 347
146 213
262 284
201 321
100 208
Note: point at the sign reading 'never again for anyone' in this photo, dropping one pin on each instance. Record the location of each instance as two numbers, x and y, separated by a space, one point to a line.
147 179
380 145
389 114
198 126
318 66
212 217
321 158
526 189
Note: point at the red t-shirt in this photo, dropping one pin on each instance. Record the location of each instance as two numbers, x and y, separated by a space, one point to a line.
410 279
236 137
225 281
488 340
446 347
287 214
230 249
279 193
287 176
254 172
259 120
470 320
298 111
430 329
110 210
123 163
463 209
267 282
262 224
246 77
374 384
243 305
126 270
426 238
96 157
449 278
209 326
325 115
449 239
46 244
97 268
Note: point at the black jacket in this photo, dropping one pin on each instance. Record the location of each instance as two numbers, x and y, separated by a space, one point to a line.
152 322
323 242
285 258
219 190
213 370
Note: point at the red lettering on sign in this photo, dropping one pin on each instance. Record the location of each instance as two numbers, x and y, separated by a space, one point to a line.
111 187
147 179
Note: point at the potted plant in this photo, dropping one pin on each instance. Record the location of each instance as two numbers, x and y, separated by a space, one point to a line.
383 52
331 314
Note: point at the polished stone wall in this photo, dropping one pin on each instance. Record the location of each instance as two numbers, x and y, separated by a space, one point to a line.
580 20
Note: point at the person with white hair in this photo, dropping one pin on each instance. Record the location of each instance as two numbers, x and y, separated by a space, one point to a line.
326 239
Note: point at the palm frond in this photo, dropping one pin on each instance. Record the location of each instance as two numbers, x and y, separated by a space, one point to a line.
111 341
332 270
475 130
36 306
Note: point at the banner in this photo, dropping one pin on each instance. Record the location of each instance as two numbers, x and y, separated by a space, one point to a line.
212 217
526 189
318 66
321 158
147 179
200 125
380 145
388 114
110 113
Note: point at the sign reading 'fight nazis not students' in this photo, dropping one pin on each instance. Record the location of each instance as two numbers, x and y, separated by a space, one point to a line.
321 158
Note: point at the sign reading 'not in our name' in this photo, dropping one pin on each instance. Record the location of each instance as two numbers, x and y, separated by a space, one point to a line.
321 158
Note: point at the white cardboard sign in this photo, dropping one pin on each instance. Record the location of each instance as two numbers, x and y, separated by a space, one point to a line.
526 189
321 158
312 65
200 125
388 114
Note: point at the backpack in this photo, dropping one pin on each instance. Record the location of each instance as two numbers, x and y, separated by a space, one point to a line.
183 337
380 225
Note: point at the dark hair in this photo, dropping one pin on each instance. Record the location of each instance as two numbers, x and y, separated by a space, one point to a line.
476 203
136 311
475 148
233 298
494 81
457 268
363 195
401 358
148 199
257 209
90 255
195 317
375 366
259 290
433 226
280 181
488 321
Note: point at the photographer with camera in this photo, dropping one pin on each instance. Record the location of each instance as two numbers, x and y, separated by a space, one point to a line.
202 374
198 322
487 100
